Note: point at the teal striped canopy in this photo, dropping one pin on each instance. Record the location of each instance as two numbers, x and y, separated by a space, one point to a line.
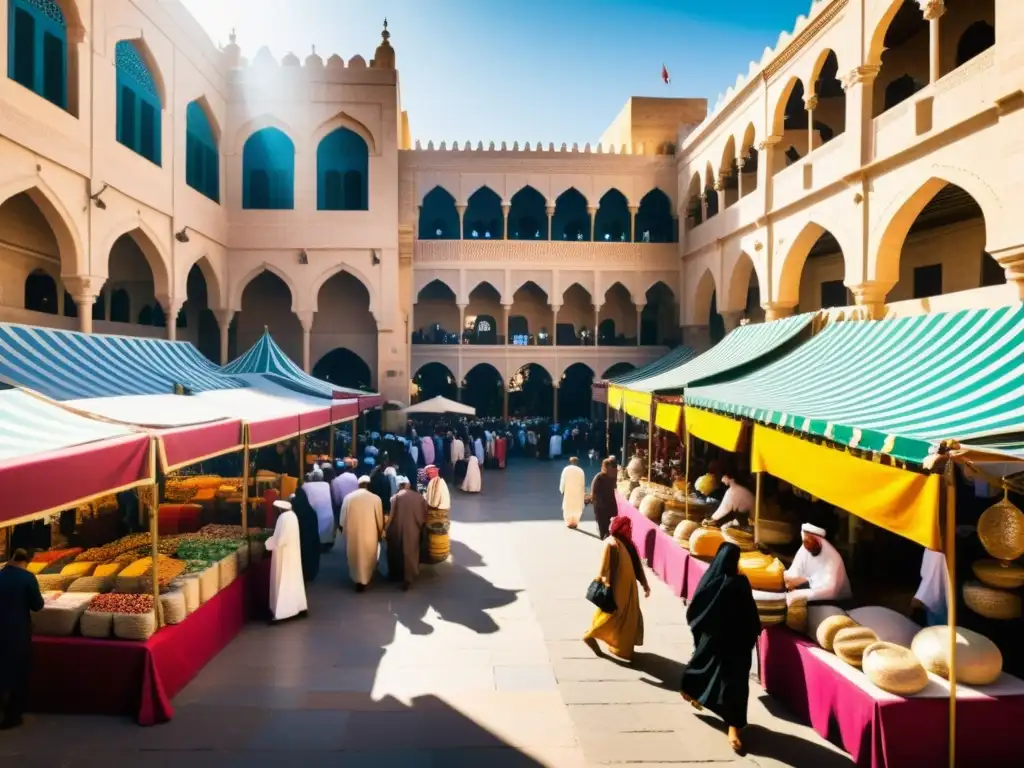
672 360
742 346
898 387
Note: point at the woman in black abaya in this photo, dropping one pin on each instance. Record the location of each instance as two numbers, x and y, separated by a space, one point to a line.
725 625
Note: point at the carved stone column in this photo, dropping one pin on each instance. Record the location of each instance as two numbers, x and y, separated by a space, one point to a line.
597 323
703 207
639 321
632 222
508 310
549 209
224 317
1012 262
871 296
171 306
740 162
811 103
462 214
462 321
933 10
731 320
554 324
306 320
505 207
776 311
720 189
84 289
859 86
592 216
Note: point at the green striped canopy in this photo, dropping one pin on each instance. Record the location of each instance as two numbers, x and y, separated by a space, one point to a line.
672 360
743 345
897 386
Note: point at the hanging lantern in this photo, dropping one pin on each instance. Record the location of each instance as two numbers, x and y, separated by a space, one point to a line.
1001 530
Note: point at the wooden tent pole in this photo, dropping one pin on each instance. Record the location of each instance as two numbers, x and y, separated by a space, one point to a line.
245 484
950 547
650 440
757 505
686 477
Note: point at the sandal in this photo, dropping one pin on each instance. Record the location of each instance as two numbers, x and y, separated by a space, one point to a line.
692 702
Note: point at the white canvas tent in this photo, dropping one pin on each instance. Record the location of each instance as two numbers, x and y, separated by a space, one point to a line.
438 405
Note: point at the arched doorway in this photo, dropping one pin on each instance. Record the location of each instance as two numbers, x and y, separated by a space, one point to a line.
197 317
344 368
41 292
571 219
576 317
484 389
654 221
436 315
574 392
484 330
527 216
267 303
434 380
617 321
485 302
611 222
132 271
483 219
822 272
531 393
343 319
31 255
658 322
531 317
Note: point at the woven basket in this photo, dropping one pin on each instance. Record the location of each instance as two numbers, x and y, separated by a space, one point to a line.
134 626
189 586
991 603
796 615
999 574
209 583
771 607
54 582
228 569
59 618
652 508
671 518
95 584
830 627
96 625
894 669
1001 530
172 607
438 542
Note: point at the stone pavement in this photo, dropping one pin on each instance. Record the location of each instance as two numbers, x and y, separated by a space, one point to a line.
480 665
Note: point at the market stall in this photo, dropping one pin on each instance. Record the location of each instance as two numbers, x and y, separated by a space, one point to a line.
871 417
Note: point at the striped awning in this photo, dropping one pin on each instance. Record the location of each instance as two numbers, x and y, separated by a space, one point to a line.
67 365
267 361
898 387
51 458
742 346
671 361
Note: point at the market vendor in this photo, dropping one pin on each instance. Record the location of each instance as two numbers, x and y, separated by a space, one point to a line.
19 598
818 572
736 505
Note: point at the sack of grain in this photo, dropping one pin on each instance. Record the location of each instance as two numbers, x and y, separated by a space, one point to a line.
60 617
228 568
209 583
94 584
189 586
172 607
134 626
96 624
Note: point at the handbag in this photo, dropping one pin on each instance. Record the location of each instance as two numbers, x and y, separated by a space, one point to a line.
600 594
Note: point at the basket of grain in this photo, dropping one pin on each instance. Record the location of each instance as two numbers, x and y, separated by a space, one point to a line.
134 616
172 607
209 583
60 616
96 624
228 568
168 569
189 586
54 582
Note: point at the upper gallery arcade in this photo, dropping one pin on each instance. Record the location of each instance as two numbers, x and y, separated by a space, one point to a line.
152 183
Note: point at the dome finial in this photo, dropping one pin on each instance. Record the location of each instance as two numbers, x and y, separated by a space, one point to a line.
384 57
385 34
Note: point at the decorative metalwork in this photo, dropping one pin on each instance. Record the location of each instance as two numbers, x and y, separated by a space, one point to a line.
131 64
49 9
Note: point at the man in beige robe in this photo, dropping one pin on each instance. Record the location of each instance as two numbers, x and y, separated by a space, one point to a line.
573 487
362 522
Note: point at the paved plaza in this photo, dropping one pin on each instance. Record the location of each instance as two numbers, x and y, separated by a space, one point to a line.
480 665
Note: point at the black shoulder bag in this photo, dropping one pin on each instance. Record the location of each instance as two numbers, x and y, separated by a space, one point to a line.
600 594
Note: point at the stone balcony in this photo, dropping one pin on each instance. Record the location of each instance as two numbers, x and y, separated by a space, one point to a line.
549 253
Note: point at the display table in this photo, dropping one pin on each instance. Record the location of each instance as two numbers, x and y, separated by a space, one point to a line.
644 531
882 730
78 675
666 558
695 569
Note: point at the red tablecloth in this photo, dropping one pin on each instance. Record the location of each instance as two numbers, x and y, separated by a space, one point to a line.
78 675
880 730
670 562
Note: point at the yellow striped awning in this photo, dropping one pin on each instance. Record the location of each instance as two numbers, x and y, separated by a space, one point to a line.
713 428
667 416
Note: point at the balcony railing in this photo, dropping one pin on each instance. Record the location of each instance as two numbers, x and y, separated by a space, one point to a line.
578 253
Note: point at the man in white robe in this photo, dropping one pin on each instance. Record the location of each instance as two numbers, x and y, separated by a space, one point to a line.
287 590
818 573
737 502
362 522
473 482
573 487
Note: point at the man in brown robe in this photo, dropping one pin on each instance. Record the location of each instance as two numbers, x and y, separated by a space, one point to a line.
602 495
405 526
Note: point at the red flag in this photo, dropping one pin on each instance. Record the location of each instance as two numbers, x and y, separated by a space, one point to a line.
664 75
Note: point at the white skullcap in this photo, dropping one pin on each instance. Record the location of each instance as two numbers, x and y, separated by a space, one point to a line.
814 530
403 480
390 471
364 479
282 505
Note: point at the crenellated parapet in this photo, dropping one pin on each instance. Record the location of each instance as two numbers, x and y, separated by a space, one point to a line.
638 148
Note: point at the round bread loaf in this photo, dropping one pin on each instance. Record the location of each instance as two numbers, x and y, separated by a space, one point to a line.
816 614
830 627
978 659
894 669
652 508
704 542
741 538
849 644
684 531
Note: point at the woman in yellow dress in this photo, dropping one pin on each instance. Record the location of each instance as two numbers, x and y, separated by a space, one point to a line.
623 629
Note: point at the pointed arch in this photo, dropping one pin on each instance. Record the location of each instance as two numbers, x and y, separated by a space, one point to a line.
728 156
257 124
268 171
434 379
439 218
69 242
473 286
157 256
749 140
737 282
211 274
654 220
342 171
787 287
612 219
571 219
39 55
704 290
349 123
202 156
428 281
239 287
483 218
792 92
527 215
617 369
140 99
327 274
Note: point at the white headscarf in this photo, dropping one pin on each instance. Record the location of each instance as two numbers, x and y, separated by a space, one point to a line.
438 496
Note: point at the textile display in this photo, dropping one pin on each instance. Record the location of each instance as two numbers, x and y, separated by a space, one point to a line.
882 730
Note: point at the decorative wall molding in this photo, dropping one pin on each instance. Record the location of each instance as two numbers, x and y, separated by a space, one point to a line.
547 253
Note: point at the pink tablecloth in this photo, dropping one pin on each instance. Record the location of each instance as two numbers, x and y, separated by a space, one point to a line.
666 558
880 730
643 529
695 568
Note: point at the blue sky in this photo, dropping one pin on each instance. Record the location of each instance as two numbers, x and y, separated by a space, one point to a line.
520 70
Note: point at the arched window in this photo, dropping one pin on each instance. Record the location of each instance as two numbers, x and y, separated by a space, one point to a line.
483 219
654 222
41 293
268 171
527 216
342 169
899 90
976 39
571 220
439 219
138 103
37 48
202 161
611 222
120 306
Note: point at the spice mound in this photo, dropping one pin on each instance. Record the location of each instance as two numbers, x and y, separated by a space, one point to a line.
116 602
